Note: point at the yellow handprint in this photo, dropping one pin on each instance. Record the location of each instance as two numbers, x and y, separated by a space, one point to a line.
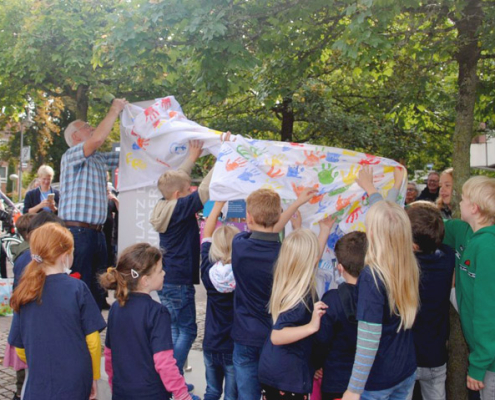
351 176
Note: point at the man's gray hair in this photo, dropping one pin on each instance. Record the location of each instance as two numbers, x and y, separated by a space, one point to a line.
414 184
71 128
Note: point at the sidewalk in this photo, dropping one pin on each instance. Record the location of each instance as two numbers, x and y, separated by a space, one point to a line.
196 376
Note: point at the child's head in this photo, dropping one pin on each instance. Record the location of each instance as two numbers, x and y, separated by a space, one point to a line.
427 228
139 267
43 218
174 184
446 188
350 251
50 244
22 225
263 208
221 244
390 256
295 271
478 200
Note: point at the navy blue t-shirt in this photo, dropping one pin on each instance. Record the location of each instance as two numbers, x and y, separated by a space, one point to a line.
287 367
53 333
181 242
253 258
396 356
20 265
137 331
219 310
431 327
336 339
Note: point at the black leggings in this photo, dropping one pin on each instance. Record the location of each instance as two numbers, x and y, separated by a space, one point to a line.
270 393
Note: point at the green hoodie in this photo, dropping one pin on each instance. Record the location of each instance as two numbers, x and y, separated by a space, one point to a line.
475 291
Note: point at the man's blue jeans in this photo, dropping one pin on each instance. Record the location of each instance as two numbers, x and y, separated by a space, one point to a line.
219 366
246 359
179 300
90 259
398 392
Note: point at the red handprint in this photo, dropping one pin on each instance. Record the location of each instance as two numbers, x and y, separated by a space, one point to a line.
299 189
353 215
369 160
151 114
343 203
166 103
142 143
134 133
238 162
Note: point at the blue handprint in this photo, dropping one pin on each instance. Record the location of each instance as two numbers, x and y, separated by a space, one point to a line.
333 157
223 153
334 237
247 175
293 172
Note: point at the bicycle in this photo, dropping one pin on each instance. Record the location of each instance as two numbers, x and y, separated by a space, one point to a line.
12 237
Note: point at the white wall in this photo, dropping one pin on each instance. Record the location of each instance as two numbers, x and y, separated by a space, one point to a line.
483 154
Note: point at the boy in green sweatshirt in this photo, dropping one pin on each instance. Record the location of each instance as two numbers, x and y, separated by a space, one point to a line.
473 240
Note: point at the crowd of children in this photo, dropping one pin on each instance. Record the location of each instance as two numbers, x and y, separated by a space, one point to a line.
267 335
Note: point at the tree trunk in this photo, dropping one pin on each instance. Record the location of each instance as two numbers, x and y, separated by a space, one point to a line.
82 102
467 56
287 120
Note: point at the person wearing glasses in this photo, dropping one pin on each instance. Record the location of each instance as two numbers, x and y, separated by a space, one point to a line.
83 194
430 192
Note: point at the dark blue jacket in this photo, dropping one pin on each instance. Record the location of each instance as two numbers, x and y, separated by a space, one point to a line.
33 198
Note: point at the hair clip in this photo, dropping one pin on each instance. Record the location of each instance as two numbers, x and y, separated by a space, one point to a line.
36 258
134 274
110 269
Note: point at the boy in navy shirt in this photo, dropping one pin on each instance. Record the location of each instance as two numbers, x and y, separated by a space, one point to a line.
431 327
174 217
253 256
335 342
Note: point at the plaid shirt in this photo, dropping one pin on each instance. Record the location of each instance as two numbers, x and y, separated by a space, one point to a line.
83 185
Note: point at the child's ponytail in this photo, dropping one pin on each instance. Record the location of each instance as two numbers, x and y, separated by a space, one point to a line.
47 243
134 262
30 287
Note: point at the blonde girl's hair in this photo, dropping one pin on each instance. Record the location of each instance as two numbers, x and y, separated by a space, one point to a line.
135 262
295 272
47 243
440 204
221 244
391 258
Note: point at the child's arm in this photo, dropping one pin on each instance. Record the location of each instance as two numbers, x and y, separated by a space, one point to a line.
365 181
173 381
306 195
93 342
293 334
211 221
195 150
326 225
21 353
108 366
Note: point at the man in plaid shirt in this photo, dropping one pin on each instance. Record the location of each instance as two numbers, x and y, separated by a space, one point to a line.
83 194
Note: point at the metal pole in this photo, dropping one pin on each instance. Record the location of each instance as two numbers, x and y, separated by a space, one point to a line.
20 165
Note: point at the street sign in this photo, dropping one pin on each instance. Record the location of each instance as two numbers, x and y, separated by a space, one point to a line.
26 153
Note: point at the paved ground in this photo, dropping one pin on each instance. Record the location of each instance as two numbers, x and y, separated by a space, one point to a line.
196 376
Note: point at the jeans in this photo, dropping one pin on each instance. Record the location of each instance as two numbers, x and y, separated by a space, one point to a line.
90 259
400 391
219 366
488 393
432 381
246 359
179 300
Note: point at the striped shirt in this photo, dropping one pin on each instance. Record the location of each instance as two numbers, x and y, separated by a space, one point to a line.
83 185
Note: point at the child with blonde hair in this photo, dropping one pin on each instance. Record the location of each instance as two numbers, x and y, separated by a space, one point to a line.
218 279
388 300
139 358
473 239
56 322
284 368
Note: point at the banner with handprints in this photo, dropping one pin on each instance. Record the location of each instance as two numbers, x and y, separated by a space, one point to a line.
288 168
155 139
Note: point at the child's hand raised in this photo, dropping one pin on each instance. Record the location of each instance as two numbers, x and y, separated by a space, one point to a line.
365 179
195 149
296 220
327 223
227 136
306 195
318 312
